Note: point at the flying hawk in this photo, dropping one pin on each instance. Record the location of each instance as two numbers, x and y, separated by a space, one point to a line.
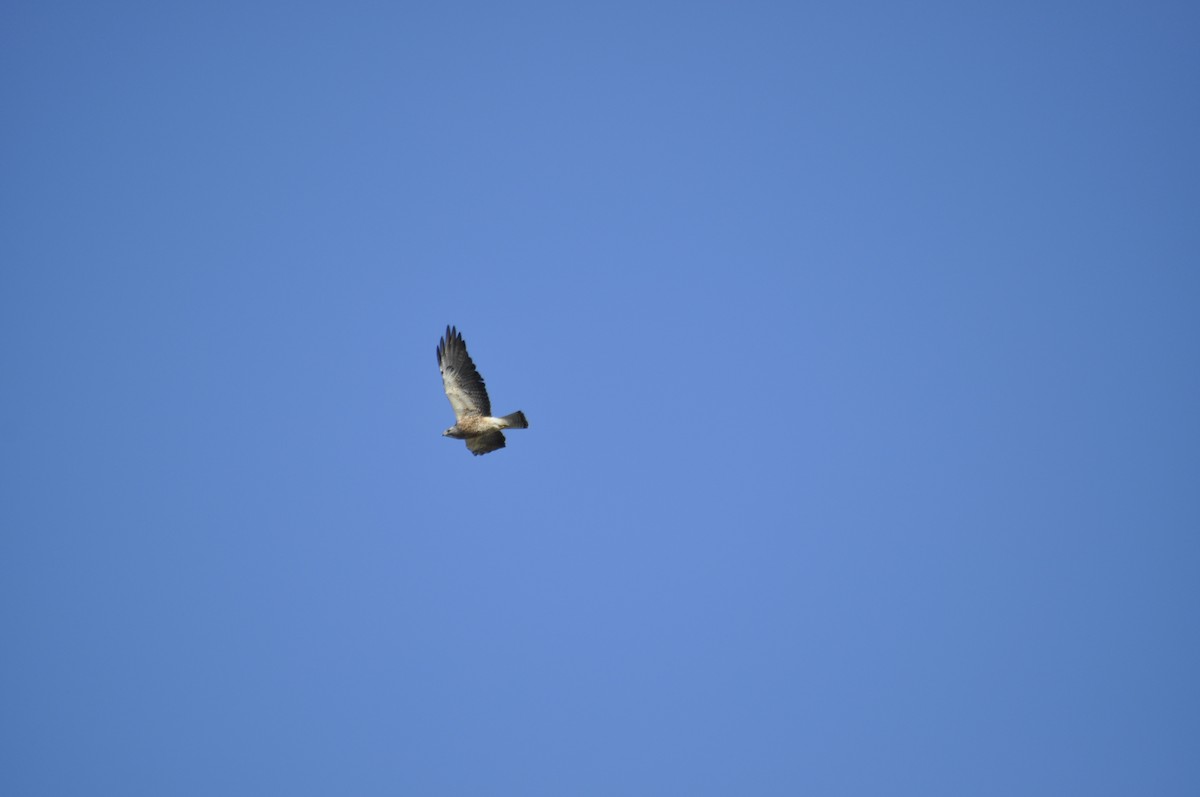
468 396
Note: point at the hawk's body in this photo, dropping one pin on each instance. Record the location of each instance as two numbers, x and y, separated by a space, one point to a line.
468 396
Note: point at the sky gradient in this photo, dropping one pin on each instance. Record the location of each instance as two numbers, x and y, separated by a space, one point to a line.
859 345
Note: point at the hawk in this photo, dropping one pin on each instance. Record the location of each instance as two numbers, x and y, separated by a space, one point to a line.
468 396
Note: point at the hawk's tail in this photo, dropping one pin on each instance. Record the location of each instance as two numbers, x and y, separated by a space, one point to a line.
515 420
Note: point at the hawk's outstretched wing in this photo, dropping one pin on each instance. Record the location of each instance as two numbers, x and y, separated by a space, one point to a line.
484 443
464 386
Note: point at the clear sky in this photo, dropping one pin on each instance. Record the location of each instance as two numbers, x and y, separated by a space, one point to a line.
859 342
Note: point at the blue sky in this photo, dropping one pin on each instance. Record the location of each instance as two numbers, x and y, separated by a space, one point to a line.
859 346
